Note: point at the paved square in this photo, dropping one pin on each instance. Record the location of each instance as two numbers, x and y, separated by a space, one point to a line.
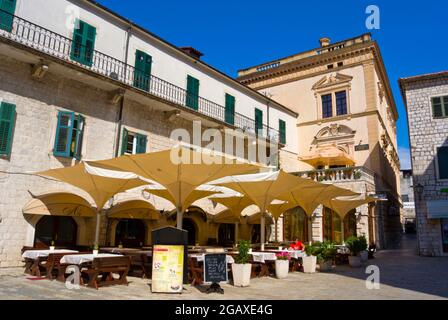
403 275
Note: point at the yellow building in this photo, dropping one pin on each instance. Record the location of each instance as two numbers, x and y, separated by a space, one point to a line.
346 127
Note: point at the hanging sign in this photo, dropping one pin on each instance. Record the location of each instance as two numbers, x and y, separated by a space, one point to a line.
167 269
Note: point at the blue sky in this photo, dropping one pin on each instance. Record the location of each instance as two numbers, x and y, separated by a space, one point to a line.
237 34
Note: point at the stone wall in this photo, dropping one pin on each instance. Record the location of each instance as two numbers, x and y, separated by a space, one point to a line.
426 134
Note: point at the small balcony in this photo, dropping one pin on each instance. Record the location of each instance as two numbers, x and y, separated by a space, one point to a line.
338 175
50 43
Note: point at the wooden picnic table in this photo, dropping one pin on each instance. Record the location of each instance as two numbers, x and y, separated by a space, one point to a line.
34 259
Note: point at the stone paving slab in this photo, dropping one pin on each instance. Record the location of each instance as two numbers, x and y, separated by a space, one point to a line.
403 275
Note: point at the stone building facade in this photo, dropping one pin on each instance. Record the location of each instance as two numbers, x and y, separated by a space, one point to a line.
108 107
426 100
346 124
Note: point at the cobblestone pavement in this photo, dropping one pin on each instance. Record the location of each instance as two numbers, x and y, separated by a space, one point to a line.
404 275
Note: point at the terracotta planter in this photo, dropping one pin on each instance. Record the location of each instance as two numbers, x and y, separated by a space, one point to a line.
241 274
281 268
354 261
309 264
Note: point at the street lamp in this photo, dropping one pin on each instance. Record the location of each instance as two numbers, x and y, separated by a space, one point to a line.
419 190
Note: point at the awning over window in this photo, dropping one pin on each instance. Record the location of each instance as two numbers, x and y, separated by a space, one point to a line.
328 156
134 209
437 209
59 204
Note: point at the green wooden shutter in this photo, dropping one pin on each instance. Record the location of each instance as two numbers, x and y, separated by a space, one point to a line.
258 121
142 72
124 141
79 137
282 131
7 11
83 43
230 109
192 100
64 134
141 143
7 121
442 160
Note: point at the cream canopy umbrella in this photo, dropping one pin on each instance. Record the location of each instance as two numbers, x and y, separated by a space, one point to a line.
262 189
134 209
343 205
197 194
59 203
180 170
100 184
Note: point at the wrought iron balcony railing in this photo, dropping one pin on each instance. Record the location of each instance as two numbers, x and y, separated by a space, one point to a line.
39 38
347 174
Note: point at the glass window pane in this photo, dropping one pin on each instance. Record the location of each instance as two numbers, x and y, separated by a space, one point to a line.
341 103
442 160
327 106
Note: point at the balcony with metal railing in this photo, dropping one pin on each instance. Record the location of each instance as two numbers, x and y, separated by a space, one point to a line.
334 175
48 42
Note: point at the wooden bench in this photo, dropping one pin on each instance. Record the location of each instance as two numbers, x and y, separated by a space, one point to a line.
101 271
53 267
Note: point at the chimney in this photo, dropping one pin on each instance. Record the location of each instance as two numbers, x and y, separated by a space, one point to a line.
192 52
324 42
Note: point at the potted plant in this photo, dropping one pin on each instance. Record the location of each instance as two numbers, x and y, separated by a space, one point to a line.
95 250
364 254
355 246
326 253
357 174
52 247
282 264
241 269
309 260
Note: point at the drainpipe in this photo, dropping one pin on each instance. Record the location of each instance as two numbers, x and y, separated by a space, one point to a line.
120 111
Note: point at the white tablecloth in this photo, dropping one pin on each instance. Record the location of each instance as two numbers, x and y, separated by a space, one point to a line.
200 258
78 259
263 256
34 254
342 249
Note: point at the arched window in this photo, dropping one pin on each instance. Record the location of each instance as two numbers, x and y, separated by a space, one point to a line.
295 225
350 224
332 226
62 230
130 233
226 235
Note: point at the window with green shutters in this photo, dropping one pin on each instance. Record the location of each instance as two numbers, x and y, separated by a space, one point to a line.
69 135
192 100
442 161
258 121
83 43
282 131
230 109
7 121
142 73
7 11
440 107
133 143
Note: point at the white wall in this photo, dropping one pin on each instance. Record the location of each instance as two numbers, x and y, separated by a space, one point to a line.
168 63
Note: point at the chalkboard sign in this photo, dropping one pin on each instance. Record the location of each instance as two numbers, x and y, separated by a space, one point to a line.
215 268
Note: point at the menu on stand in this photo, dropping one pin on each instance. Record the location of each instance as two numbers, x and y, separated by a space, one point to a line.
167 269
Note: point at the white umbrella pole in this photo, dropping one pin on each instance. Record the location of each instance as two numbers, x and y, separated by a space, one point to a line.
179 218
97 227
276 230
263 231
